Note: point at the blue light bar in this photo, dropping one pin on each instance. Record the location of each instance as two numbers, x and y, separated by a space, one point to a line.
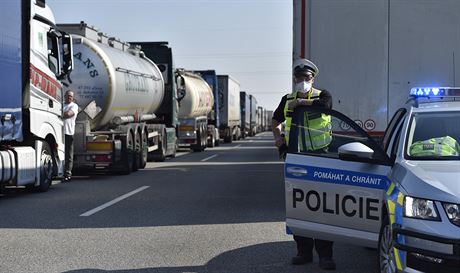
435 92
427 92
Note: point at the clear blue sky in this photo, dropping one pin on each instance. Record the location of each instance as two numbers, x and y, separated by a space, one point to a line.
248 39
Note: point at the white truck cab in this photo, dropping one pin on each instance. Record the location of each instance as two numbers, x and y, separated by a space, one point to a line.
400 195
34 57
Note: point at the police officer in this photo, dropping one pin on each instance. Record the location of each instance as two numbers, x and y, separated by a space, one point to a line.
304 72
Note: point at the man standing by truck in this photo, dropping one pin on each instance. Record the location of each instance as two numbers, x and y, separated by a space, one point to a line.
304 72
70 115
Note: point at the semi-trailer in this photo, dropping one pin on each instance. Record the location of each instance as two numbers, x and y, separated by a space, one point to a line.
253 115
245 108
403 44
230 116
210 76
195 103
119 90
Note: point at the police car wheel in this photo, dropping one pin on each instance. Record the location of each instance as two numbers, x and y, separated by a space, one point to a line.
386 255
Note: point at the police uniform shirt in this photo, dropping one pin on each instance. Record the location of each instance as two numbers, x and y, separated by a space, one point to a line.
325 100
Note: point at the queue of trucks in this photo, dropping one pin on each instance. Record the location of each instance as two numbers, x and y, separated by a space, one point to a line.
135 105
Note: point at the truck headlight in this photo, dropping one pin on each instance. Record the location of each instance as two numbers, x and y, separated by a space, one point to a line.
453 213
420 208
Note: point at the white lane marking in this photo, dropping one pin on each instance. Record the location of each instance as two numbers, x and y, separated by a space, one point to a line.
237 146
207 158
114 201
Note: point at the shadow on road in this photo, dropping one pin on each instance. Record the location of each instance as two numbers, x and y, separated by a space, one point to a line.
267 258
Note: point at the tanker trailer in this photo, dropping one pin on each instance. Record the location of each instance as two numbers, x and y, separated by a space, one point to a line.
195 103
210 77
119 90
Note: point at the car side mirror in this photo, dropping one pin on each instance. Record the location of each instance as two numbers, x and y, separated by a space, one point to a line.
355 151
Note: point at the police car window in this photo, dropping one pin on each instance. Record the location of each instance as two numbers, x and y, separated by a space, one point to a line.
395 140
392 127
321 134
434 136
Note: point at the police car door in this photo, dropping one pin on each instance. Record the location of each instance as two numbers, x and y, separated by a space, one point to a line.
335 192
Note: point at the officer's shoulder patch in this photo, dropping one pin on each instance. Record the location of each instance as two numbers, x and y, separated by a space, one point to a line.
428 146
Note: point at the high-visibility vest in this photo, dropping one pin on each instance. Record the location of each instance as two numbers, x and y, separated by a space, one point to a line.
440 146
316 133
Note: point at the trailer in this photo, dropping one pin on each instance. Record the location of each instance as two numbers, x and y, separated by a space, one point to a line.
195 103
119 90
210 77
161 54
34 57
369 68
229 93
245 107
253 115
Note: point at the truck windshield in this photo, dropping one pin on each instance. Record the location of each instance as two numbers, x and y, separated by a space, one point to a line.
434 136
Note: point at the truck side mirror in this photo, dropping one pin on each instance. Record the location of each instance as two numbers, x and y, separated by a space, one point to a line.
67 53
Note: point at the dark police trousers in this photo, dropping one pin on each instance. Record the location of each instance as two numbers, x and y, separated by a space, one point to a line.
305 246
68 156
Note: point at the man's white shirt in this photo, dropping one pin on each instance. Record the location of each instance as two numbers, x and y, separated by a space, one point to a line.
69 123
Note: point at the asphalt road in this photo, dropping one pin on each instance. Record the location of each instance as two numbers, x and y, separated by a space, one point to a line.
221 210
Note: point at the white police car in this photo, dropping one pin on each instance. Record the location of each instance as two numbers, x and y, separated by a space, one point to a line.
401 196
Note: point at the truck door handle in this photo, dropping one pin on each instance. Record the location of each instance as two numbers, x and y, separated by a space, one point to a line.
296 171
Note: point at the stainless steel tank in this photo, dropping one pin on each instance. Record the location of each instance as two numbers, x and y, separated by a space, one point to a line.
195 95
121 81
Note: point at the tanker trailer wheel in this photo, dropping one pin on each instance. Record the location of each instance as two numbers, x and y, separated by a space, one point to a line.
199 142
387 262
144 149
127 164
46 169
162 146
137 152
212 141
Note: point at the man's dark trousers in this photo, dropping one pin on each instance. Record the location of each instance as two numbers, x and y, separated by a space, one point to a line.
68 156
305 246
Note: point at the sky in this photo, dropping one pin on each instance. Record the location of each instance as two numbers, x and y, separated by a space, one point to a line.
250 40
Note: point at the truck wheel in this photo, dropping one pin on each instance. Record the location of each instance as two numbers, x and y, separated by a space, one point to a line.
163 146
199 142
137 152
128 162
387 262
204 141
46 169
144 150
212 142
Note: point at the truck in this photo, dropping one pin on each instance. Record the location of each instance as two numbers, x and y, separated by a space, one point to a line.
195 104
210 76
268 120
34 57
253 115
161 54
397 49
119 90
260 119
230 116
182 116
245 107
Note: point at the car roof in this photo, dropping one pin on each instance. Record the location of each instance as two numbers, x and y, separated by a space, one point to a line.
434 106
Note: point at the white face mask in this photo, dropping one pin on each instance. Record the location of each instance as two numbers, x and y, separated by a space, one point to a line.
303 86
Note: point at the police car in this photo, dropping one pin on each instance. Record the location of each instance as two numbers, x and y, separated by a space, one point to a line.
400 195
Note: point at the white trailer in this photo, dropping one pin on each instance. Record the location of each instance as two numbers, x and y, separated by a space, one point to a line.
370 53
195 103
230 115
34 56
